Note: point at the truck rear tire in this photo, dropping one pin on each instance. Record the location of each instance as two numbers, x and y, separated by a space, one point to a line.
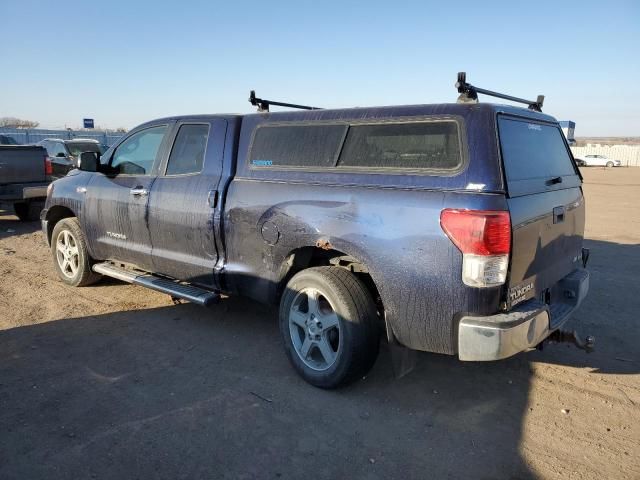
28 211
329 326
70 255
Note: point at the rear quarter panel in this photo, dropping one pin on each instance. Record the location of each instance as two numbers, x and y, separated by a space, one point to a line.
395 233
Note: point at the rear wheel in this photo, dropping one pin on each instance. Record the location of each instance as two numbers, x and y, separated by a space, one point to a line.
28 211
329 326
70 255
609 164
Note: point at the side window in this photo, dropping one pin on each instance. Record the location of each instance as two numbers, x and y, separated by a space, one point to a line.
57 150
187 153
137 154
425 145
296 145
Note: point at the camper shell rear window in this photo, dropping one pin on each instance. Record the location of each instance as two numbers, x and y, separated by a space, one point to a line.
535 156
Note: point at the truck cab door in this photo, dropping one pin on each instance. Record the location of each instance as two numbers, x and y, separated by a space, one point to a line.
116 199
184 201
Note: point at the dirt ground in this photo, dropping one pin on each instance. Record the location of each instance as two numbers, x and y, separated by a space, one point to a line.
114 381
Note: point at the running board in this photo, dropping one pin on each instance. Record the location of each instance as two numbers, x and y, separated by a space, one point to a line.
190 293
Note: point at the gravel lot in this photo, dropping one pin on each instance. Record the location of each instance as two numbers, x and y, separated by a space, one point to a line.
114 381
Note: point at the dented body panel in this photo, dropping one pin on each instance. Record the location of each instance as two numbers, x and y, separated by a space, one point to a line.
394 232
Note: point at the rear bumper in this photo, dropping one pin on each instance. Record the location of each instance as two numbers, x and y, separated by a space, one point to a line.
34 192
505 334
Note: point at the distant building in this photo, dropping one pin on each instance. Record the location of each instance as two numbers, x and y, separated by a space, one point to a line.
569 129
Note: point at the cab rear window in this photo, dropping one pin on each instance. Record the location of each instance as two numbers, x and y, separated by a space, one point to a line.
532 150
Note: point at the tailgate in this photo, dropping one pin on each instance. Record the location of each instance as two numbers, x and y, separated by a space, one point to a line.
546 206
22 164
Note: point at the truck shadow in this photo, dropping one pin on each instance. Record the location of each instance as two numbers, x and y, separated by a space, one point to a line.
186 392
211 394
10 224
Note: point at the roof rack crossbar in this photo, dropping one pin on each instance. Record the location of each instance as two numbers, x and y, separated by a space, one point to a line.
263 104
469 94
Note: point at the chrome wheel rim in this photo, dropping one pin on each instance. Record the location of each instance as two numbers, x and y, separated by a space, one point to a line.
67 254
314 327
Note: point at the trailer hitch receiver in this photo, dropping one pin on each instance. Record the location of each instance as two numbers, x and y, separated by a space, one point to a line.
560 336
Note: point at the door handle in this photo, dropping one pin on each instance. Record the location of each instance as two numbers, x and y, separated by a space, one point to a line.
139 192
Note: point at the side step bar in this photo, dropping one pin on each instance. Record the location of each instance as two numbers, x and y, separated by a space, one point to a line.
190 293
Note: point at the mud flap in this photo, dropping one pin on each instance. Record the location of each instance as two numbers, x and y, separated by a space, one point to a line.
403 359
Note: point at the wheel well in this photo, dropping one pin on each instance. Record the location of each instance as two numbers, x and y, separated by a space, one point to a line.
319 256
54 215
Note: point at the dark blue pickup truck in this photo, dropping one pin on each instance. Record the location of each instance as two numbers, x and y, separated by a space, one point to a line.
450 228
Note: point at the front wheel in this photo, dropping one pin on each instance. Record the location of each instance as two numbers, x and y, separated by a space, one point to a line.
70 255
609 164
329 326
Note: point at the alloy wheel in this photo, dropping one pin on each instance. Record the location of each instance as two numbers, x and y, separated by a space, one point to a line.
315 329
67 253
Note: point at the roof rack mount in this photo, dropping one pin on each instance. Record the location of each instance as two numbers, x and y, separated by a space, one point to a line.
469 94
264 104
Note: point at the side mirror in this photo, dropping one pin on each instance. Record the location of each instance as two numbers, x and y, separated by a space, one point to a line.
88 162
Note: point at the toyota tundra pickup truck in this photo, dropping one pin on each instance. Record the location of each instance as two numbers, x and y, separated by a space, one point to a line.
450 228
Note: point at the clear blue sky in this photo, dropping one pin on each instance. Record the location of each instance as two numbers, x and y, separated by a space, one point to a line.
123 63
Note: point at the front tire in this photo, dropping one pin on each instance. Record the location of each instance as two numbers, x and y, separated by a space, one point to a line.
609 164
329 326
71 258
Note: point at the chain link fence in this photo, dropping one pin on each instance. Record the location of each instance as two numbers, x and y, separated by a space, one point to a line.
25 136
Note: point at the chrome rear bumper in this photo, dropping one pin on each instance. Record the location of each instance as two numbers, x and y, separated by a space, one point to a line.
34 192
505 334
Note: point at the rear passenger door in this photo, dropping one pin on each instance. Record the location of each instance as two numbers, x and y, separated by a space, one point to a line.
183 202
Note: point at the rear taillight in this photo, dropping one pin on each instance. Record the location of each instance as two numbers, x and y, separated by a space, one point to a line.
48 168
484 238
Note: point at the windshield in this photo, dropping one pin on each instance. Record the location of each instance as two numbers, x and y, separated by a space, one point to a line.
532 150
76 148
